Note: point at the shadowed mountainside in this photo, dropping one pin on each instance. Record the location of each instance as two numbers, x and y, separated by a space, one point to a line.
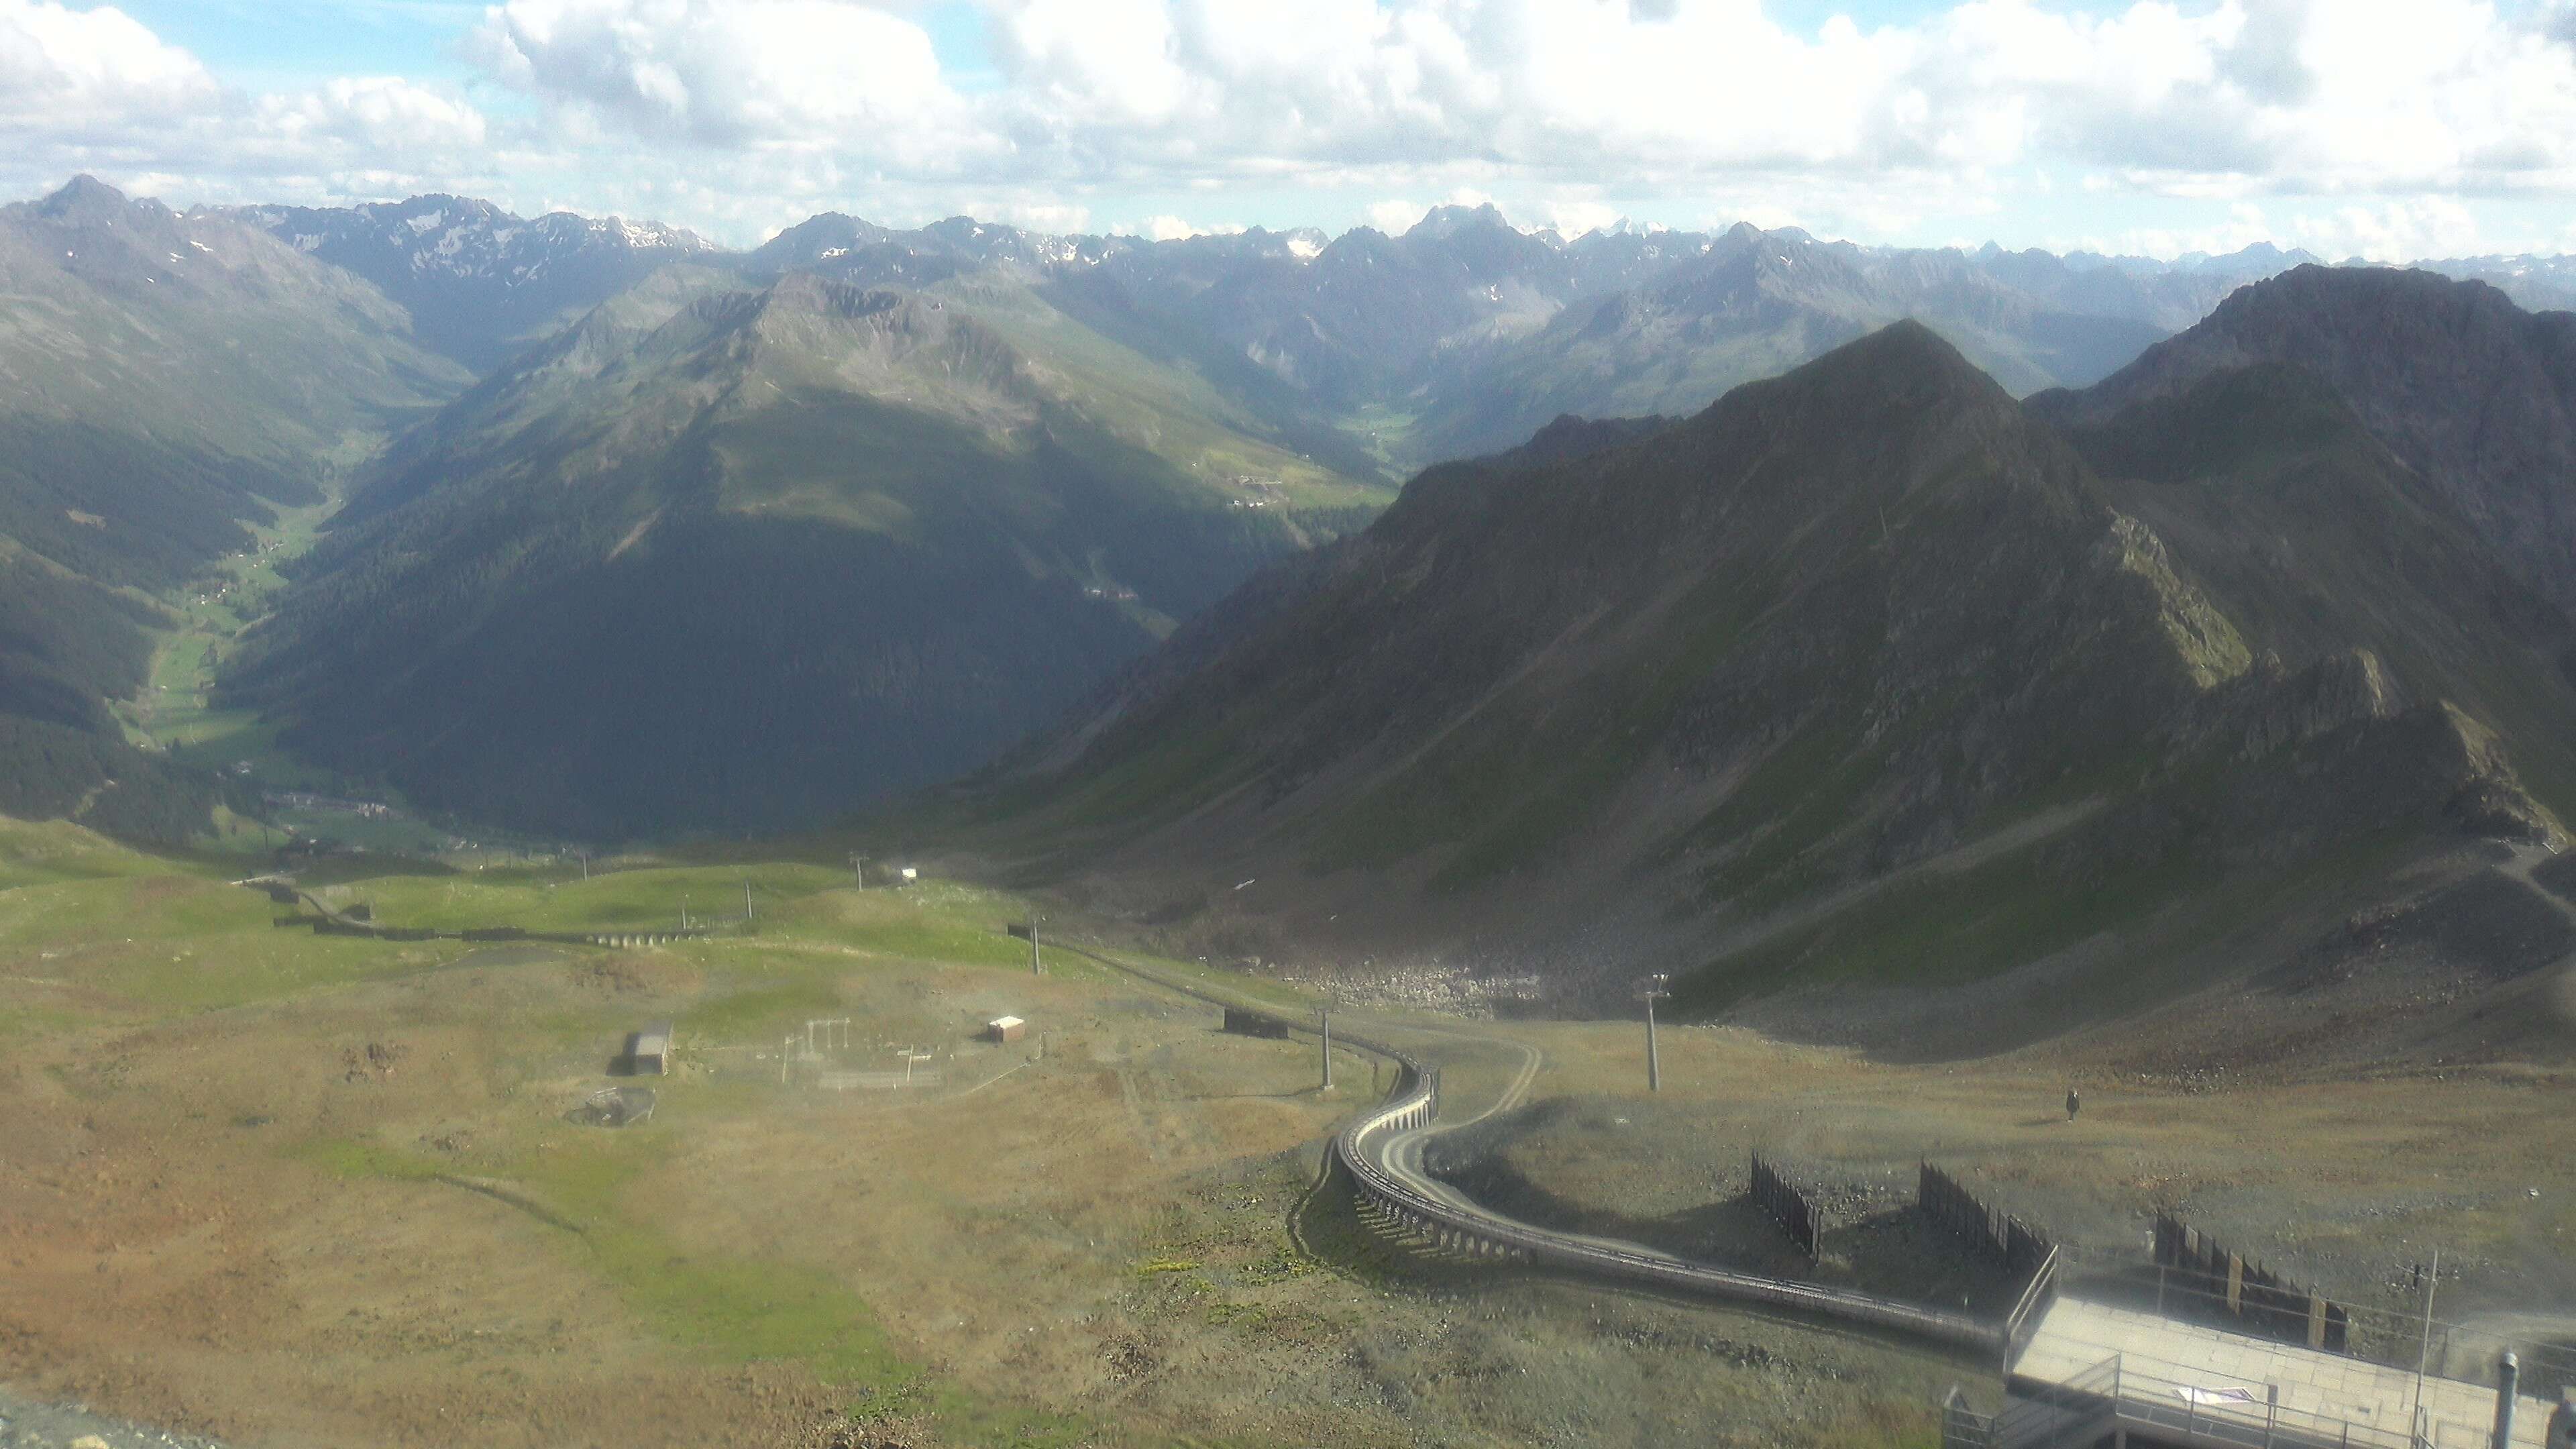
733 557
171 380
1863 675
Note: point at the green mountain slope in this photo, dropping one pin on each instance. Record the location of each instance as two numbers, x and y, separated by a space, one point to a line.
169 381
1863 675
735 557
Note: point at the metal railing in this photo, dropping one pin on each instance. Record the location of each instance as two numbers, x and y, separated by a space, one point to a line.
1359 1151
2123 1391
2043 1287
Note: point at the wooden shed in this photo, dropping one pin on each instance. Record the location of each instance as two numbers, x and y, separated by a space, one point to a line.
1005 1029
1255 1023
648 1052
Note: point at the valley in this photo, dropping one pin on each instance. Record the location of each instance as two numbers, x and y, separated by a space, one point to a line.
440 1003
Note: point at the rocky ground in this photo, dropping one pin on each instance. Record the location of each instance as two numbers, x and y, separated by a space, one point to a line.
26 1425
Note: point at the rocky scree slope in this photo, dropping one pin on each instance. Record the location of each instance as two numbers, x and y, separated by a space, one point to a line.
480 282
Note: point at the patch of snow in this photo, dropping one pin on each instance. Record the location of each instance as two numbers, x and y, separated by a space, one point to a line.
830 252
1303 249
428 221
307 241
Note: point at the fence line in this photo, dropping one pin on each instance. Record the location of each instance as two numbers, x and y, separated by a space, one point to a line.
1796 1214
2255 1296
2008 1240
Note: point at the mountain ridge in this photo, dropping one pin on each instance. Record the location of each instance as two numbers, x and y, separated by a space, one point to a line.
576 560
1866 674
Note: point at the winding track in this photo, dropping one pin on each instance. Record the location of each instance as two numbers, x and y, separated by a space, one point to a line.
1383 1151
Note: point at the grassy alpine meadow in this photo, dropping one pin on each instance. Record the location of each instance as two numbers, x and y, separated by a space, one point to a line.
285 1188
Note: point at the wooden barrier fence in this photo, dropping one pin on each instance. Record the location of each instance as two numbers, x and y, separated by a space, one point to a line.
2247 1291
2008 1240
1788 1207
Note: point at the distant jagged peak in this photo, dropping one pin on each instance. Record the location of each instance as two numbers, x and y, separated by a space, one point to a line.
82 193
1441 223
86 201
815 236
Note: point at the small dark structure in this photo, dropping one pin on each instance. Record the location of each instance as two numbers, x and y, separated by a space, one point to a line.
648 1052
614 1107
1255 1023
1788 1207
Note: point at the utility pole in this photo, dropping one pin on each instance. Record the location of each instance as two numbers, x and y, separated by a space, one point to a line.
858 870
1324 1018
2425 1351
746 898
585 865
1654 992
684 913
1037 963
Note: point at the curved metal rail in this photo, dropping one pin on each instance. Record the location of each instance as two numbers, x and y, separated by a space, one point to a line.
1366 1150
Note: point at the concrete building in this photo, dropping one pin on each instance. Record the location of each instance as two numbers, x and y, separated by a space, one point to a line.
648 1052
1005 1029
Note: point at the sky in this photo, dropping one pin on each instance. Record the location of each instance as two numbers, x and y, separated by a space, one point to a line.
2374 128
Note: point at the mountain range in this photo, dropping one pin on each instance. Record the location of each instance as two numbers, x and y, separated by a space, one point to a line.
1371 351
1870 673
957 474
479 282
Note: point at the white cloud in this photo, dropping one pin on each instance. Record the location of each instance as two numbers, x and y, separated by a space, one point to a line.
1172 228
2385 231
96 90
2395 231
381 114
1394 217
824 74
1029 215
1573 216
62 68
2346 116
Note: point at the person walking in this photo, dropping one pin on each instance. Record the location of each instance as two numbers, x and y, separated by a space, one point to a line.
2073 1104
